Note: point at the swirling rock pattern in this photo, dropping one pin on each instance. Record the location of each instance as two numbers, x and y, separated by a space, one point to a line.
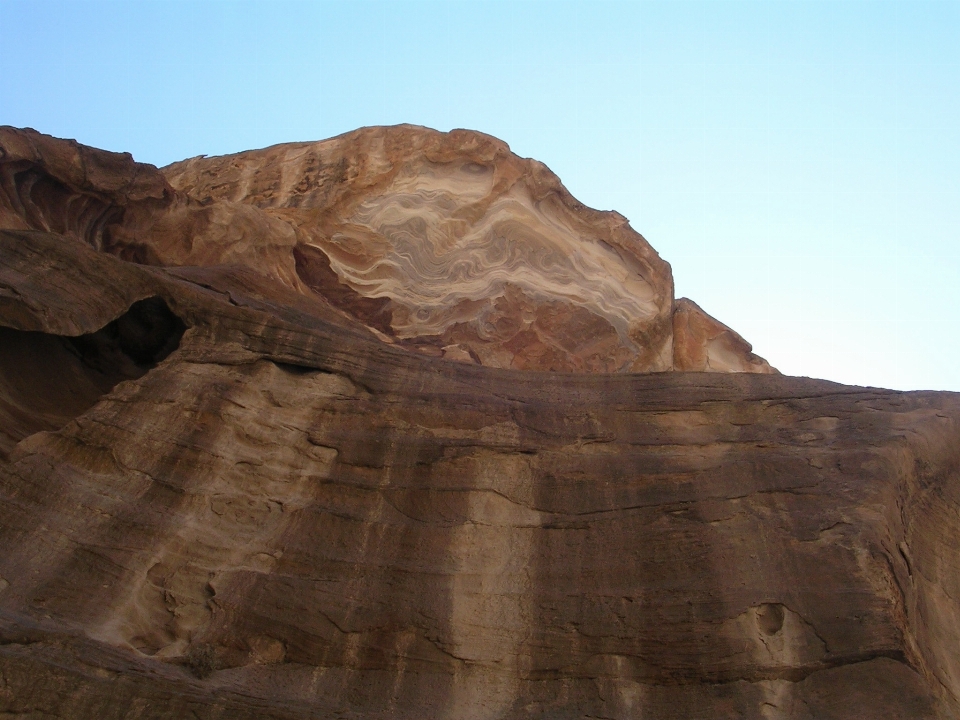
445 243
470 251
470 247
274 514
241 475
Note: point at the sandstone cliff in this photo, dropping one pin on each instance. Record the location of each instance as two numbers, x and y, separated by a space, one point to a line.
230 489
446 243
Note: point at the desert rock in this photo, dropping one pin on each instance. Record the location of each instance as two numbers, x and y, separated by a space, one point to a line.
446 243
225 494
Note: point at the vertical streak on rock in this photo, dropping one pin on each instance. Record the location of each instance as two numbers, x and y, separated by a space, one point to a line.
403 643
230 516
490 593
929 559
777 699
366 580
629 693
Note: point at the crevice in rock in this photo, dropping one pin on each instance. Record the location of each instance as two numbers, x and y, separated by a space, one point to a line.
47 380
294 369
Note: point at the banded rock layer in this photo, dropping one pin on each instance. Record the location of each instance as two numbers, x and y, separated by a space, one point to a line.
446 243
222 505
224 494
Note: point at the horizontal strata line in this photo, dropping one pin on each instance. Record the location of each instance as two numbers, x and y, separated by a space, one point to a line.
552 517
793 675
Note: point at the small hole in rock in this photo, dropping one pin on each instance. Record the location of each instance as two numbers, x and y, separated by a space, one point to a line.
770 618
293 369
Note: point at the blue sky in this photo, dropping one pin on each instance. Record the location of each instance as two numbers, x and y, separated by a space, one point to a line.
797 162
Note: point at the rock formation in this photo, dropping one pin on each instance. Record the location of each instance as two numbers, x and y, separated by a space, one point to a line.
445 243
241 477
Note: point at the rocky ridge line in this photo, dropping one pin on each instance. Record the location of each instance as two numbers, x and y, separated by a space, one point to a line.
445 243
225 495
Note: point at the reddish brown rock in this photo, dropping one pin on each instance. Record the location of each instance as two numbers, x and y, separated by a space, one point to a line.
704 344
222 496
446 243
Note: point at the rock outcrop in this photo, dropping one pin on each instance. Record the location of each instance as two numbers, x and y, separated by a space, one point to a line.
446 243
226 491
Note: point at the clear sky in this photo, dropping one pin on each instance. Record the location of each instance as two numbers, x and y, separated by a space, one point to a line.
797 162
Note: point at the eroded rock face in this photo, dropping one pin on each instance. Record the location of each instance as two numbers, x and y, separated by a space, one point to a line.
704 344
223 494
50 379
446 243
287 517
464 246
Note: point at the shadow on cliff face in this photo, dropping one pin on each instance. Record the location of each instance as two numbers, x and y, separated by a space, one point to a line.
47 380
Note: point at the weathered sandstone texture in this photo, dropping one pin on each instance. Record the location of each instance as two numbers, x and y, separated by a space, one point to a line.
446 243
227 492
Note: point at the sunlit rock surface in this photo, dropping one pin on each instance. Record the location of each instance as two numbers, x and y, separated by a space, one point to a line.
226 495
446 243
